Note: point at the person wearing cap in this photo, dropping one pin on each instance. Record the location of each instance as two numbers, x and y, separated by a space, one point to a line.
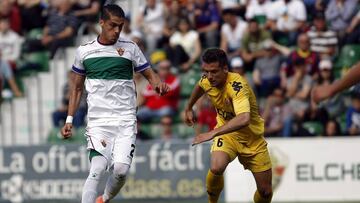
334 106
237 65
322 40
266 71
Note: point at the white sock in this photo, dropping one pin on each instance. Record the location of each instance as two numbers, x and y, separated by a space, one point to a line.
97 169
116 181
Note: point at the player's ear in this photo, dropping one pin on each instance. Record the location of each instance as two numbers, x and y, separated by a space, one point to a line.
101 22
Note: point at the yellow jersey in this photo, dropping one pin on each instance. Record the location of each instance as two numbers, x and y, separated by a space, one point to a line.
234 98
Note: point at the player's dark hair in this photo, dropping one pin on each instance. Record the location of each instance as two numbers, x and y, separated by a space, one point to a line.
213 55
111 9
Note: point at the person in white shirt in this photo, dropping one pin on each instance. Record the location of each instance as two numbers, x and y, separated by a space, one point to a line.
10 42
232 32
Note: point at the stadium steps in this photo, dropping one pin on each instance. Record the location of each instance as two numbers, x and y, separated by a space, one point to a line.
6 123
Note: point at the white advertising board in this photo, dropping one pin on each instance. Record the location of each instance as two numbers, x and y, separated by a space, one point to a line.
304 169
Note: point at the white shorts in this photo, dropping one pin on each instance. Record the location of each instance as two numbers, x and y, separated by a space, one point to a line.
114 139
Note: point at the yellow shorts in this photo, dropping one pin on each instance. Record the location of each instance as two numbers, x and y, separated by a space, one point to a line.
254 156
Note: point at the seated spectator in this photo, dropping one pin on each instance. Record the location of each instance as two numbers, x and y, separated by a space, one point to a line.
172 17
156 107
237 66
324 42
88 12
302 51
6 75
206 119
275 113
286 18
8 9
258 9
297 91
166 129
60 114
353 30
353 115
185 47
141 134
339 14
10 43
335 105
253 43
332 129
232 32
59 31
266 71
33 14
151 23
128 33
207 19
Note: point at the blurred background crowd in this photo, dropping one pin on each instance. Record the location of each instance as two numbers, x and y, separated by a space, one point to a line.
283 47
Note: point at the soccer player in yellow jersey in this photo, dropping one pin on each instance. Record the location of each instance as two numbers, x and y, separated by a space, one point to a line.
239 130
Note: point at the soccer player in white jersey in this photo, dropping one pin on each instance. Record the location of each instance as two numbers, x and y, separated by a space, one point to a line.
106 65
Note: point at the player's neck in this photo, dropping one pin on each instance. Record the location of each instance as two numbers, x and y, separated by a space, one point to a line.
103 41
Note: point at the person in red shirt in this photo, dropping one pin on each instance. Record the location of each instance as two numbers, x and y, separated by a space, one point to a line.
154 106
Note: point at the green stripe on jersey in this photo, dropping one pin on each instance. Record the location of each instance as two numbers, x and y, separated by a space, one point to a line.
108 68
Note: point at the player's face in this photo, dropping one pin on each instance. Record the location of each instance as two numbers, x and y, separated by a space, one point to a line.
111 28
215 74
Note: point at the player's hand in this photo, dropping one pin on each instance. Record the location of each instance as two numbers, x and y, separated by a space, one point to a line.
203 137
66 130
320 93
189 117
162 88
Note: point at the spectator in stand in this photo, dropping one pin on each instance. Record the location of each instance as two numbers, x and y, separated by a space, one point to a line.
353 30
275 113
339 14
207 18
286 18
60 29
166 129
297 91
206 116
232 32
88 12
332 128
151 23
237 66
253 43
172 17
258 9
128 33
301 52
6 75
60 114
266 71
8 9
323 41
353 115
10 43
185 46
33 14
155 106
335 105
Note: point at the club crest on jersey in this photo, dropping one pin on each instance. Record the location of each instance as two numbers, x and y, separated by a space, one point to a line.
120 51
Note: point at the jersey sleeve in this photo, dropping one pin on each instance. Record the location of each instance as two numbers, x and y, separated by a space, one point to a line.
139 60
78 66
241 95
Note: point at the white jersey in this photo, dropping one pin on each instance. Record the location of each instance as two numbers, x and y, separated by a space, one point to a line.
109 77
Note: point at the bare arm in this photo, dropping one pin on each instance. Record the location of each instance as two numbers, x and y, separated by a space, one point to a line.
195 95
76 91
234 124
154 80
240 121
351 78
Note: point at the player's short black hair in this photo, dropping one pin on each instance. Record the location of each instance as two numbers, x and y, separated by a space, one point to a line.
111 9
213 55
